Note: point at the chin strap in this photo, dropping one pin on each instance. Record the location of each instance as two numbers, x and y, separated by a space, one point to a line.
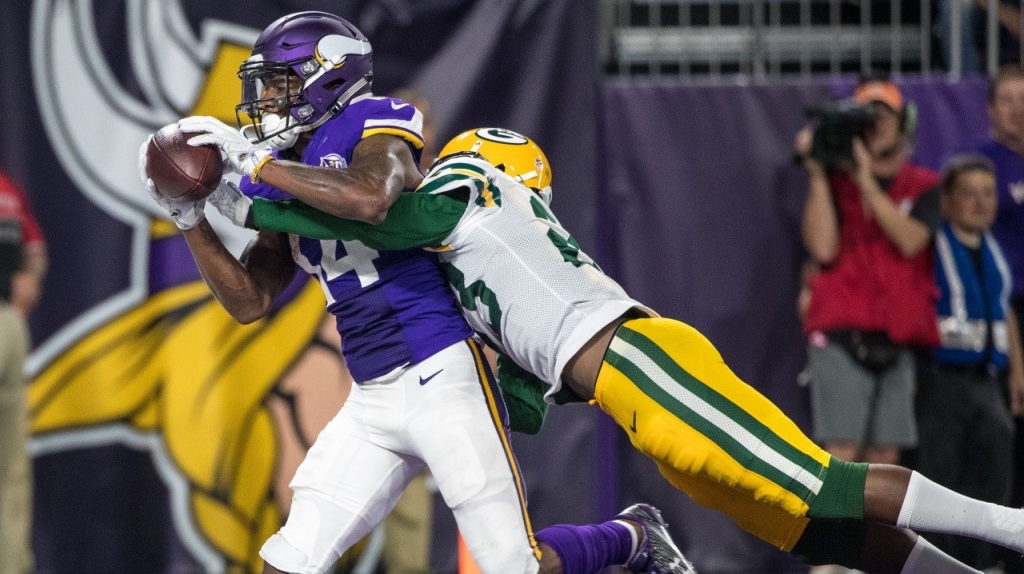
341 103
285 139
545 194
281 140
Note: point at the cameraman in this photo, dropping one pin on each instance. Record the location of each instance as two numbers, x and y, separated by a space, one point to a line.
867 223
22 265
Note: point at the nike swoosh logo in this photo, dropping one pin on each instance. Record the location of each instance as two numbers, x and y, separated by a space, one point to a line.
632 427
394 107
427 380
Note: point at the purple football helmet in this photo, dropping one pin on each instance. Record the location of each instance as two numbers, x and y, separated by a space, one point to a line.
306 66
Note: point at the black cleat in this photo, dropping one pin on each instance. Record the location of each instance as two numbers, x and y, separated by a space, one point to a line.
657 554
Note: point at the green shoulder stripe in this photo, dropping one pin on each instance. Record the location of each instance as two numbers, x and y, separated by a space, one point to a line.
414 220
461 165
447 174
447 182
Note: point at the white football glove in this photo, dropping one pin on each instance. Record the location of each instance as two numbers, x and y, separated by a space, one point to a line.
186 214
230 202
242 156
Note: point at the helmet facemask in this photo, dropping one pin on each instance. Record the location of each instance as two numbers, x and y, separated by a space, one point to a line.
270 86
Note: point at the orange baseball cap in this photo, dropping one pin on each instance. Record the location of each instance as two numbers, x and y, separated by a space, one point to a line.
879 91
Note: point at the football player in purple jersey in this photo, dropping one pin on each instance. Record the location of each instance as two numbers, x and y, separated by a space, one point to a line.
425 396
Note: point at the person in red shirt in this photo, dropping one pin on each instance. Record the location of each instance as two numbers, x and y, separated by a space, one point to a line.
22 265
22 250
867 224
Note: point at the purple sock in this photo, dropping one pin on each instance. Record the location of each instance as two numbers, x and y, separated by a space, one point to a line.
587 549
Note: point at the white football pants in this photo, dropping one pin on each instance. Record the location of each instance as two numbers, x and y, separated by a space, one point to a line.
444 413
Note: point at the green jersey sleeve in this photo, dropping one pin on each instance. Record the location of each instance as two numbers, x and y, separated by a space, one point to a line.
524 396
414 220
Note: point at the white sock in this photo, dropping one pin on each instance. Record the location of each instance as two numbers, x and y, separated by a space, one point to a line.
633 534
932 508
927 559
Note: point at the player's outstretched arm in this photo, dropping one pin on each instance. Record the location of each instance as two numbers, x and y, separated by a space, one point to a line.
382 166
415 220
247 288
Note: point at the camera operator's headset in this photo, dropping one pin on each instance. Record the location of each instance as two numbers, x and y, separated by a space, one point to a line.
886 92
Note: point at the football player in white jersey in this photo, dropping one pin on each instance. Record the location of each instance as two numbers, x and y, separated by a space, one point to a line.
307 90
532 294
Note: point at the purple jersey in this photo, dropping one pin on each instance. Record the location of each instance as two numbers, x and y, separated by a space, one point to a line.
393 308
1008 227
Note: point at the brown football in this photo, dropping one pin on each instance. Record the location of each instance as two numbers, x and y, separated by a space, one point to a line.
181 171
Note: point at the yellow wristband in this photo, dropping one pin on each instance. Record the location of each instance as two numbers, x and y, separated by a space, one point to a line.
255 177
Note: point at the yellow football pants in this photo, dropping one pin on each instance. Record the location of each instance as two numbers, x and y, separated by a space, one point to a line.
713 436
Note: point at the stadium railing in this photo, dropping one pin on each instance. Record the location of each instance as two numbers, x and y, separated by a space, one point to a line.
765 39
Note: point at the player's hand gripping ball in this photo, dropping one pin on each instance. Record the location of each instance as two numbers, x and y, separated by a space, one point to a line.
179 171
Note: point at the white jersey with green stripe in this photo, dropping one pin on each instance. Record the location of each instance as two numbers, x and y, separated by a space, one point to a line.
523 282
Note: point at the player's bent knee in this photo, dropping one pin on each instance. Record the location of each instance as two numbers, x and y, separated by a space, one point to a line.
315 535
831 541
282 556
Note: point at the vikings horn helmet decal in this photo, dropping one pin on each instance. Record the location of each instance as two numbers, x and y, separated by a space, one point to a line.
305 67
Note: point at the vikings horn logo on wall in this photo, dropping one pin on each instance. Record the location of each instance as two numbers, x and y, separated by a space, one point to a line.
225 411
